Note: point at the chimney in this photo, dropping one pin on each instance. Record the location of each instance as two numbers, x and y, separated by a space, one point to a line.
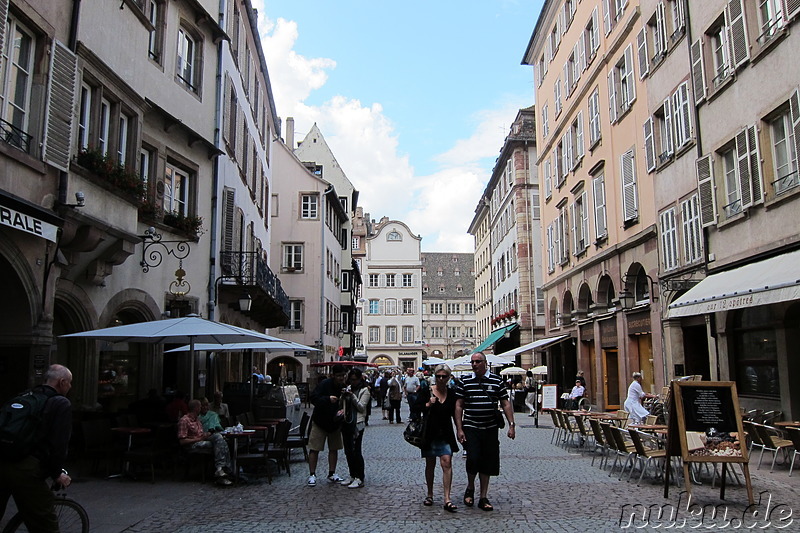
290 132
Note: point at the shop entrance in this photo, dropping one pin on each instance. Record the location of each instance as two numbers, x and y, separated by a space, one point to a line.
611 378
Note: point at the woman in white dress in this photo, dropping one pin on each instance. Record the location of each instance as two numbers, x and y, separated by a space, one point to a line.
633 404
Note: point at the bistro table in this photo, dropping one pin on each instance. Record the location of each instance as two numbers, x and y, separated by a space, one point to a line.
130 432
648 427
788 424
233 442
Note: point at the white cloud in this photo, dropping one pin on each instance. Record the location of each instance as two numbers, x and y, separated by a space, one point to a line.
364 140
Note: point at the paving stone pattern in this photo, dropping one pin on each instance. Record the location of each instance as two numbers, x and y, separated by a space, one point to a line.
542 487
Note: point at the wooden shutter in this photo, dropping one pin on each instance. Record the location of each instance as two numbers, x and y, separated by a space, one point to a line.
600 225
629 76
228 212
574 220
685 112
60 101
628 171
740 52
641 45
226 126
579 137
668 239
661 28
569 155
584 220
567 80
582 51
698 75
649 146
743 169
667 143
3 17
706 190
550 258
548 183
607 16
794 115
790 10
756 179
612 95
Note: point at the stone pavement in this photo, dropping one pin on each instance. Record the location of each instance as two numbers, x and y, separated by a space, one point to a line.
542 487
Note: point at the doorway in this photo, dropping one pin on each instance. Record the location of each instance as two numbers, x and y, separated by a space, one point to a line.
611 378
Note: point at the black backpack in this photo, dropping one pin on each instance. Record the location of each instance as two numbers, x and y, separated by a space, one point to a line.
22 425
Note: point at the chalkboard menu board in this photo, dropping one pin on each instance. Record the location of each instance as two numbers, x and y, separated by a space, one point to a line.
705 425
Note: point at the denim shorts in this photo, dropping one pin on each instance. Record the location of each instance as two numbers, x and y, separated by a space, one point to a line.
437 448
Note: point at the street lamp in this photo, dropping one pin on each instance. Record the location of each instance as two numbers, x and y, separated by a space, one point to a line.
245 302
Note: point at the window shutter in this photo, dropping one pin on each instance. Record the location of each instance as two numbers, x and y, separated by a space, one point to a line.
706 189
595 30
790 10
740 52
550 262
607 16
685 111
661 27
743 169
598 187
649 146
226 125
629 76
557 238
794 113
667 142
567 80
698 78
574 219
756 179
629 207
579 137
582 51
668 241
548 183
641 45
3 17
612 95
60 100
584 220
680 16
228 213
415 306
569 156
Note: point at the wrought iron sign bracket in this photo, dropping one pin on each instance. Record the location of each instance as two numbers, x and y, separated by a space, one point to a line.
154 249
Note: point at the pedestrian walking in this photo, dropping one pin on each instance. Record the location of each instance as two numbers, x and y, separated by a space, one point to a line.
326 424
355 398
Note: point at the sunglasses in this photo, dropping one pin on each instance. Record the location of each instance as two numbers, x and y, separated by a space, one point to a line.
441 376
477 361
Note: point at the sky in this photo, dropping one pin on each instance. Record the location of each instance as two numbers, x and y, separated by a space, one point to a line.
414 98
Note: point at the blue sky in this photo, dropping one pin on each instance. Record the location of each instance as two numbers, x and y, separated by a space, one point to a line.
414 98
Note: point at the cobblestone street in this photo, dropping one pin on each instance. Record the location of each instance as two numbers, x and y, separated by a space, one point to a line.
542 487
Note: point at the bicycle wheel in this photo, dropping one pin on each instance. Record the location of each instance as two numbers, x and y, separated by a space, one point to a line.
72 518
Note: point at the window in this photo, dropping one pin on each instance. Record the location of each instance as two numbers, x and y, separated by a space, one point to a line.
591 37
545 122
103 126
156 17
122 140
295 315
580 224
374 334
408 306
390 280
770 19
373 280
188 62
599 196
621 86
453 309
147 159
437 332
374 307
741 168
594 117
755 352
732 194
576 140
437 308
407 280
612 13
692 230
355 243
453 332
669 240
408 334
309 208
719 55
394 236
391 334
293 257
176 190
18 64
630 206
345 280
358 341
469 309
84 116
390 306
784 152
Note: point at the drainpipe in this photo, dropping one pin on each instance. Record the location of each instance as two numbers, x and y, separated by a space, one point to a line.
323 317
215 172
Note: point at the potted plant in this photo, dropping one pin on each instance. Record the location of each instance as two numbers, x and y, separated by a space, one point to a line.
111 172
189 225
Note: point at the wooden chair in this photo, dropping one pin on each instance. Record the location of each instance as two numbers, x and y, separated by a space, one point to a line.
771 441
650 420
258 457
644 454
299 439
584 434
623 418
624 447
277 448
794 436
599 441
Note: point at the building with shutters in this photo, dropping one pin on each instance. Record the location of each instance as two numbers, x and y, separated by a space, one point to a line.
598 218
448 304
113 182
391 318
747 307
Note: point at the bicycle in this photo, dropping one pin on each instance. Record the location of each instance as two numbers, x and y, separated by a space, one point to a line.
72 517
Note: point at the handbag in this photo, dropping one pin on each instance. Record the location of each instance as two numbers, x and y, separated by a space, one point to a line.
414 433
499 420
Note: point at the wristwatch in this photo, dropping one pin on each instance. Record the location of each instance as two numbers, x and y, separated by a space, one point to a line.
513 424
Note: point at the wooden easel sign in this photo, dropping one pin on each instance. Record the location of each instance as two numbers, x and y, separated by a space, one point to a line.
705 426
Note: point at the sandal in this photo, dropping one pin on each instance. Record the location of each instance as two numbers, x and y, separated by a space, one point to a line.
449 507
484 505
469 497
428 501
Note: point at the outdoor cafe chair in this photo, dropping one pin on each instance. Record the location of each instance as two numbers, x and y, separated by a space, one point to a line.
794 436
611 442
299 439
277 449
584 434
258 457
624 447
651 420
569 429
771 441
770 416
645 455
623 418
752 436
556 426
599 441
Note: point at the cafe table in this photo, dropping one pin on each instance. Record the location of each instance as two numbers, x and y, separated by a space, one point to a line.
648 427
130 432
233 442
788 424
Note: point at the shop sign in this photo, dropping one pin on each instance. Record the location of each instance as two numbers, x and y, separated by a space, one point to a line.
587 332
608 333
408 354
27 223
639 323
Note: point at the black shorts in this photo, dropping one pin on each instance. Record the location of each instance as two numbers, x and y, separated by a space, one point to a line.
483 451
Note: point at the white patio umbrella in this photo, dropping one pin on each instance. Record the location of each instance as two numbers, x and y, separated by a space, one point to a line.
491 360
538 370
435 361
175 330
265 346
513 371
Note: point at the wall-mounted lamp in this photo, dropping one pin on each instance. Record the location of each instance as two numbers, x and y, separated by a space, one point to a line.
628 299
245 302
80 201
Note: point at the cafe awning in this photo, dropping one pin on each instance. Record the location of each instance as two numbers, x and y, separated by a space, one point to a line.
494 337
770 281
536 345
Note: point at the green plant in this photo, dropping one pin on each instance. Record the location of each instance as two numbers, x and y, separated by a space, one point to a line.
124 180
187 224
149 210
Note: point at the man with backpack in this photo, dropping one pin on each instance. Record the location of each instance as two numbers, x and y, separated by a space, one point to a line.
34 435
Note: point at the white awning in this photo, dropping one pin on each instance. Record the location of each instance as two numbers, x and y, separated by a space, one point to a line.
541 343
766 282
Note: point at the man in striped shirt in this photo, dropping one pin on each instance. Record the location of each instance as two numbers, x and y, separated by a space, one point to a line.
476 418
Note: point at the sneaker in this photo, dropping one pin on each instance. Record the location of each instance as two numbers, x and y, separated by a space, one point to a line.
312 480
346 481
334 478
224 481
356 484
220 472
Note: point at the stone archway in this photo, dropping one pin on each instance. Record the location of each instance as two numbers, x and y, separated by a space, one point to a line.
17 336
285 369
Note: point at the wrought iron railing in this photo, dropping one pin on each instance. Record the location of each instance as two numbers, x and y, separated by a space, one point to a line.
786 183
250 269
733 208
15 136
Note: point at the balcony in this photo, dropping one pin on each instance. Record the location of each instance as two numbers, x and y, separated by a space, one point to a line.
248 272
15 136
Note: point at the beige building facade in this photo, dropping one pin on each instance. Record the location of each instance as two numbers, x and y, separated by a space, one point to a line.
598 218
